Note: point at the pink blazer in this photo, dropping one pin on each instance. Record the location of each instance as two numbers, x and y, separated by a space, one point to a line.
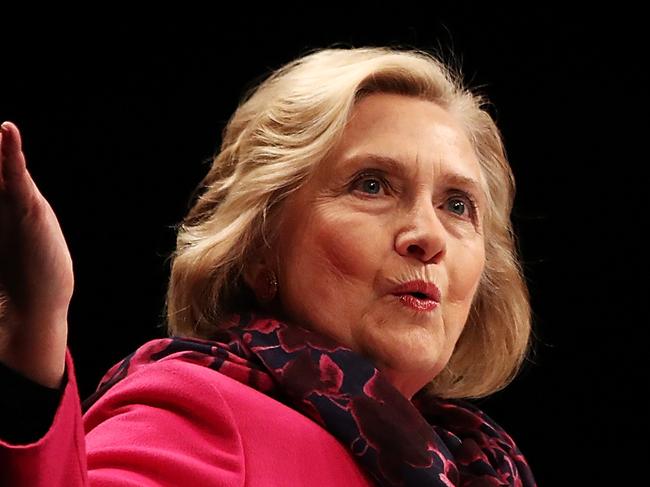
174 423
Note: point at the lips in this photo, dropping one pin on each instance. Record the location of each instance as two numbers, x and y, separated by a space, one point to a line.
419 289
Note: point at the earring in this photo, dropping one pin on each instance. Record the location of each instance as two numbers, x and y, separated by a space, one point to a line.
267 286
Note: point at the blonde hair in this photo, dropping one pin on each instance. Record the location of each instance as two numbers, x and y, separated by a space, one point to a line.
273 142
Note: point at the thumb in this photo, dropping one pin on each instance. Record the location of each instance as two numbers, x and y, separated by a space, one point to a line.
15 180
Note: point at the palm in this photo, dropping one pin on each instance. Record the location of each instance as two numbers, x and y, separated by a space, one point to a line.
35 266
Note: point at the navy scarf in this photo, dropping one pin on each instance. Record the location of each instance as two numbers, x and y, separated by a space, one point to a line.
424 442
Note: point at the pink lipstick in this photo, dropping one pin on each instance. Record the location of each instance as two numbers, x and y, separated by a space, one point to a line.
418 295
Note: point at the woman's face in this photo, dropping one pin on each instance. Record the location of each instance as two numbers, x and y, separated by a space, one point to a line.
387 207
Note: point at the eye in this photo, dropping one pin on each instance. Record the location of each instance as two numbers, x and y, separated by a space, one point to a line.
370 183
462 205
457 206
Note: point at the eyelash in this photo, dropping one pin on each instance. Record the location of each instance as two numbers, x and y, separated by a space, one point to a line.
368 175
472 206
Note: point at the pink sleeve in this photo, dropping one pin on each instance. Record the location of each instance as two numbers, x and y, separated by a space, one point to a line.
165 425
59 457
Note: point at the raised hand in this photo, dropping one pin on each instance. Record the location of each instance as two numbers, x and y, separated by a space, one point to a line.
36 277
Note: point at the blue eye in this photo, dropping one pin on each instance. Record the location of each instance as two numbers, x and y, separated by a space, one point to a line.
458 204
372 185
464 204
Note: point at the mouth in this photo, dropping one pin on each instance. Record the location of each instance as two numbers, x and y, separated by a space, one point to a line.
418 295
417 301
419 290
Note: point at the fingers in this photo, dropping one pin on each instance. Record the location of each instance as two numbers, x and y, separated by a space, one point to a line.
13 160
14 178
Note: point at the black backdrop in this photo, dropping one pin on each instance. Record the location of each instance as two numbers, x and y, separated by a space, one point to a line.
119 115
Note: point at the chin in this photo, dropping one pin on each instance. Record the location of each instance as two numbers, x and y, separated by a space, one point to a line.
409 382
416 359
395 343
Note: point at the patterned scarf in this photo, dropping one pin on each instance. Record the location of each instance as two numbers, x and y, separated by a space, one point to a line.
424 442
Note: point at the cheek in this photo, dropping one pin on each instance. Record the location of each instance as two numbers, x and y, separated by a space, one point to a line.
340 251
331 267
464 279
343 247
463 283
327 270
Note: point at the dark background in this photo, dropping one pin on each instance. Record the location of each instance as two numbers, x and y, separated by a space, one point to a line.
120 114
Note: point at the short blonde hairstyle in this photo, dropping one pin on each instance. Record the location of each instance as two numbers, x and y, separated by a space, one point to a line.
273 142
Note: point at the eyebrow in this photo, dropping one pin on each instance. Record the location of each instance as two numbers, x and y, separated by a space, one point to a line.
398 167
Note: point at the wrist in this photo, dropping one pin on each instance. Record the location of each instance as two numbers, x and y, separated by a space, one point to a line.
37 352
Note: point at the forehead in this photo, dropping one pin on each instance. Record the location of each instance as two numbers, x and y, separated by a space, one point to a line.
408 136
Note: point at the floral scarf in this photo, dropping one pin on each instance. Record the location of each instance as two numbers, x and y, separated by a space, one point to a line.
424 442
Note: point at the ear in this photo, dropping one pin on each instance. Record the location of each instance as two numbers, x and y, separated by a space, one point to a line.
253 273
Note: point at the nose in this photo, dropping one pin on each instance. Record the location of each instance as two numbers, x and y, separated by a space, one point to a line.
422 235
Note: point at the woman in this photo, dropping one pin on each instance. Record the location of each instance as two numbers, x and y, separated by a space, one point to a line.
347 274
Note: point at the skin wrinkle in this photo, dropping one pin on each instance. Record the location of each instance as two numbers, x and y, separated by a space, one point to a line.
342 250
400 178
